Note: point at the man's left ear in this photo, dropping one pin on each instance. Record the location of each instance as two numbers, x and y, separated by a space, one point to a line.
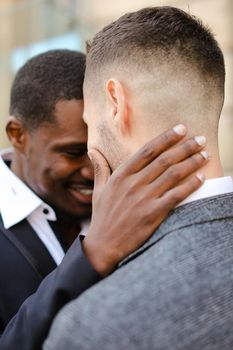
119 111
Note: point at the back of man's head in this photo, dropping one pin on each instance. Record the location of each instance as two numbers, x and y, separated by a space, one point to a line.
169 64
43 81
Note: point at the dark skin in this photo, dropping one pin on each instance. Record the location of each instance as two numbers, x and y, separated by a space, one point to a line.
127 205
52 160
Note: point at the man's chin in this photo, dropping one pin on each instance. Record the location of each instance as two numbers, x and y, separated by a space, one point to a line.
79 214
73 213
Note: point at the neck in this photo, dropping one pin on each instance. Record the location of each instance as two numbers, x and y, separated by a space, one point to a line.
212 169
17 165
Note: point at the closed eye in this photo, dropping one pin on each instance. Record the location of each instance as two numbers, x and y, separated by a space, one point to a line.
75 154
79 152
73 150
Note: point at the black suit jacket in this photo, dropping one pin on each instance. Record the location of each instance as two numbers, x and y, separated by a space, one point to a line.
24 264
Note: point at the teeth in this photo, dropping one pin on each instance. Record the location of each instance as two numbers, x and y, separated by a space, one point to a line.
86 192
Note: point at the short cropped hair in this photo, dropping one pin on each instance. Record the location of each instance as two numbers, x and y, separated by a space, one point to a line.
156 34
43 81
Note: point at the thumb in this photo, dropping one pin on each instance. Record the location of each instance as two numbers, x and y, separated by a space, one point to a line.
102 170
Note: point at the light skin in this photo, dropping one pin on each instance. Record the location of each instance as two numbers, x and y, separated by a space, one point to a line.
132 114
125 117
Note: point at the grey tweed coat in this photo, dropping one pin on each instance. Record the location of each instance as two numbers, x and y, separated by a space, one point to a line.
175 292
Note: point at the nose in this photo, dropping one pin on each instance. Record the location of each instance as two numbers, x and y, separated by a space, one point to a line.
87 170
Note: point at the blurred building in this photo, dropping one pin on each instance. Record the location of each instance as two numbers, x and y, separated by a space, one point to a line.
28 27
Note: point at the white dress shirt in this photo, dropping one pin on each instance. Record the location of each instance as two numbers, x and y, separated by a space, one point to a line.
210 188
19 202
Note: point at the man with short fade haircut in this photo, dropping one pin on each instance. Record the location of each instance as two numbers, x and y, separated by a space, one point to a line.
46 184
154 67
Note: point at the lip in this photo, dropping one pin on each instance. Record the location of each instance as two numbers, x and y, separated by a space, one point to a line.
82 193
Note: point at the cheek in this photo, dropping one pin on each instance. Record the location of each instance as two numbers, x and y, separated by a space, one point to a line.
50 177
59 168
91 138
50 170
94 138
43 170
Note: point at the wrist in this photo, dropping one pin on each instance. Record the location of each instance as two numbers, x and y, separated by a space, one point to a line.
102 263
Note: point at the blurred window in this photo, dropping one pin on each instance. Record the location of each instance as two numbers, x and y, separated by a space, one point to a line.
21 54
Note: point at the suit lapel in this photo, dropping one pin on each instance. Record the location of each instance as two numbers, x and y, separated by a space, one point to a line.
204 210
23 237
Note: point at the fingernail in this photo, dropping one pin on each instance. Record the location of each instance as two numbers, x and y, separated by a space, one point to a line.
201 177
180 129
200 140
205 154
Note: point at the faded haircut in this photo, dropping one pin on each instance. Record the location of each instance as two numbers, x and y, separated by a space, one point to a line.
154 35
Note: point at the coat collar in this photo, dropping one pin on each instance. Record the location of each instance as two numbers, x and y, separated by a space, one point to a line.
197 212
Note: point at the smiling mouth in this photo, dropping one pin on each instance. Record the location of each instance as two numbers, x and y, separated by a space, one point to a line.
85 191
82 194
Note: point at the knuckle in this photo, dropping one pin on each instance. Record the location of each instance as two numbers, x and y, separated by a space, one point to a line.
151 149
175 197
189 146
165 138
147 152
173 173
169 200
148 219
196 160
132 187
164 161
194 183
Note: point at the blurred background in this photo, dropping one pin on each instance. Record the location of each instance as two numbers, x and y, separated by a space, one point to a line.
28 27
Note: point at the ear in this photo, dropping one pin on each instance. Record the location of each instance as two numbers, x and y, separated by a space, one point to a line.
119 110
16 133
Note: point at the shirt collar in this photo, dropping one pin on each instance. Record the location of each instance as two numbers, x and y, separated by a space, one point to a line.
17 200
84 227
211 187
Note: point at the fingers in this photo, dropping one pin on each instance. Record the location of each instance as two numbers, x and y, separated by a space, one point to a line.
173 175
176 195
101 169
153 149
171 157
